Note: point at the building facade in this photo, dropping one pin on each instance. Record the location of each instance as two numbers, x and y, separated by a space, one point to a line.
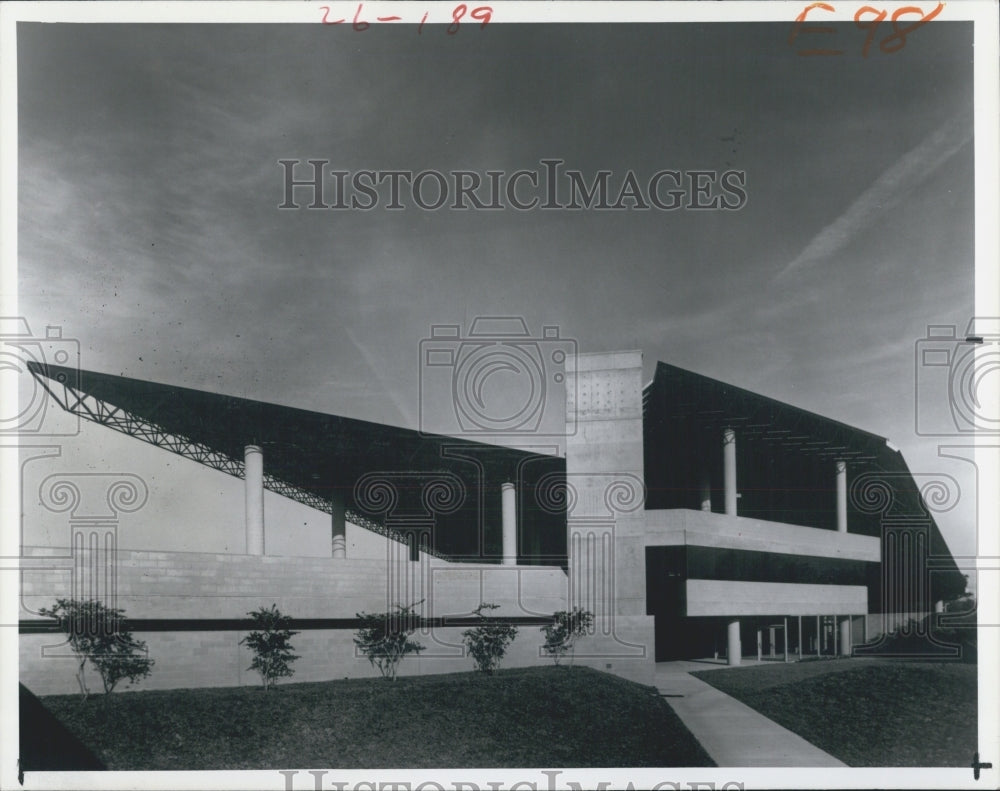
693 518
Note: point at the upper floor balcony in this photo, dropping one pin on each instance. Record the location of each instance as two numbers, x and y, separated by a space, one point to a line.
688 527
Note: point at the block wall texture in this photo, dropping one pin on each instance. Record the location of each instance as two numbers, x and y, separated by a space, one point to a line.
191 585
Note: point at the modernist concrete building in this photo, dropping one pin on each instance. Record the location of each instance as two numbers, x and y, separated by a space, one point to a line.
693 518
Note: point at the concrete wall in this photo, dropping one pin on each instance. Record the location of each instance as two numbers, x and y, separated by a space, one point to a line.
672 527
191 585
606 520
724 597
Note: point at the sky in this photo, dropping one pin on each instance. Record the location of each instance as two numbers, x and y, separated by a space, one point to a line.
149 228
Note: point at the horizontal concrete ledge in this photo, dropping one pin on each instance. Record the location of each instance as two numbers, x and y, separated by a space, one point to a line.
37 557
39 626
723 597
682 526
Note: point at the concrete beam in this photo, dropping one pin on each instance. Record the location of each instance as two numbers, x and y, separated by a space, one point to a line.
679 526
735 598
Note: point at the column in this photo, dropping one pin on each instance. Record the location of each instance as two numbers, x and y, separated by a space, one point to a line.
508 503
760 640
706 494
785 632
819 638
729 469
338 525
835 652
253 474
733 648
841 496
798 635
845 636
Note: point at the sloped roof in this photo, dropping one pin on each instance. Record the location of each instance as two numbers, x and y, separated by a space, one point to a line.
309 456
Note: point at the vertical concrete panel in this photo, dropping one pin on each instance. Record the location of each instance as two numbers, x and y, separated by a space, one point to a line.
605 515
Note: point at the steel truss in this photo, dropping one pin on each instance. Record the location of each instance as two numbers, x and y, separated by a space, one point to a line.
86 406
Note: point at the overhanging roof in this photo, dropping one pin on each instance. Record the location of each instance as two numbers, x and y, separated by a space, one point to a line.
678 394
695 400
309 456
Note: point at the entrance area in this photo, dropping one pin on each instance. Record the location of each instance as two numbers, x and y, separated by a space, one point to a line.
775 638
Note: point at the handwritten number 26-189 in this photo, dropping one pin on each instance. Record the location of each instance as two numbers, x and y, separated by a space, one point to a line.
482 14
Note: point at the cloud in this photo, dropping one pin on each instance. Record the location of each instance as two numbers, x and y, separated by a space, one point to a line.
904 175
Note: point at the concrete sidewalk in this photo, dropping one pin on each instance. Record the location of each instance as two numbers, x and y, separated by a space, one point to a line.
731 732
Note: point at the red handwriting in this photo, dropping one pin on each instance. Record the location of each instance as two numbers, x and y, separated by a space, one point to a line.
482 14
867 19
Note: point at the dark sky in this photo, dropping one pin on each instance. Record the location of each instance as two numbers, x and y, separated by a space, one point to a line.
149 185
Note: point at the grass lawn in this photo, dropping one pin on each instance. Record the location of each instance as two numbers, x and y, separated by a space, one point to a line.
867 712
555 717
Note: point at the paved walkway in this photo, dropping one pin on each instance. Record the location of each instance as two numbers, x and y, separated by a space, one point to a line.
731 732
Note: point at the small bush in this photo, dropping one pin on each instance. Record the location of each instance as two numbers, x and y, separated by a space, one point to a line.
385 638
562 633
271 645
487 643
100 634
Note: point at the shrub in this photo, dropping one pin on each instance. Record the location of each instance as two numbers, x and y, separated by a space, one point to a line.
100 634
271 645
562 633
487 643
384 637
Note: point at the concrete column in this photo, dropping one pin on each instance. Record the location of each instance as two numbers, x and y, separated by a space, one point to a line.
845 636
733 648
729 469
508 504
841 496
706 495
760 640
835 651
785 632
253 475
819 638
338 525
772 637
798 636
